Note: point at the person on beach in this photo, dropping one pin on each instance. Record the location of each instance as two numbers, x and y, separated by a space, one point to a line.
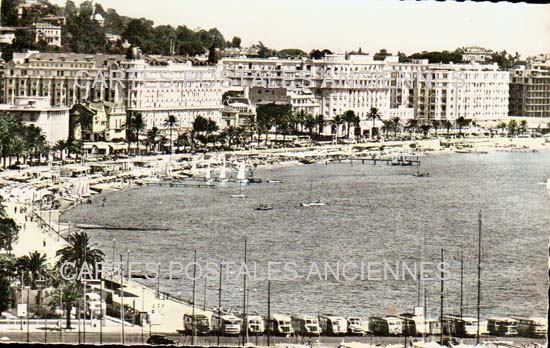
103 202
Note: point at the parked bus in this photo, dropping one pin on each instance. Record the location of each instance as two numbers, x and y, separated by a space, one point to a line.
333 325
502 327
385 326
456 326
226 324
201 322
532 327
255 325
356 327
280 325
306 325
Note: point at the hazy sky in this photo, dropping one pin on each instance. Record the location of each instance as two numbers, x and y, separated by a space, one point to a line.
342 25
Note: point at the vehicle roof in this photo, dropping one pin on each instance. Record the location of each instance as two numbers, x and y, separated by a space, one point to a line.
280 317
304 317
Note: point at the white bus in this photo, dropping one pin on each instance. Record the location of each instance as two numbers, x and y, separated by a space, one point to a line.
280 325
306 325
226 324
502 326
532 327
333 325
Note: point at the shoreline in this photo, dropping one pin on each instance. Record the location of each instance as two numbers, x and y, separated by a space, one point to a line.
17 195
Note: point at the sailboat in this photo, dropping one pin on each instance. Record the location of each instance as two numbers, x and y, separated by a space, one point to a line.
240 195
208 175
241 175
310 203
223 174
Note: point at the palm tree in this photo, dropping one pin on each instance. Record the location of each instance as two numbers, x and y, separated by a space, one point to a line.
80 252
171 122
134 125
523 126
338 121
395 124
411 126
512 127
69 295
373 115
436 124
61 146
349 117
425 129
447 125
309 123
35 266
152 138
462 122
387 127
320 121
502 126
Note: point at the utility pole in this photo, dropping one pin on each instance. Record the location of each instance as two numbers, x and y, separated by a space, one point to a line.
194 288
461 285
479 280
442 298
121 302
268 312
425 315
220 304
244 292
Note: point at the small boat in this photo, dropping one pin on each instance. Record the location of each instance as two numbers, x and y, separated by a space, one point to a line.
263 207
311 203
241 175
316 203
274 181
223 175
240 195
421 175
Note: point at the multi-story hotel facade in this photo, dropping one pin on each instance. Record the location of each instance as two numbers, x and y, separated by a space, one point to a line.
418 90
155 88
530 90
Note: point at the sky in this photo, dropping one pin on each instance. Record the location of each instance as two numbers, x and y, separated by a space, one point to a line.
345 25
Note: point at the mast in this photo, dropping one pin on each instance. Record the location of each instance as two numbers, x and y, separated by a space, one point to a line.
268 312
194 288
442 298
461 284
479 279
244 294
220 304
310 189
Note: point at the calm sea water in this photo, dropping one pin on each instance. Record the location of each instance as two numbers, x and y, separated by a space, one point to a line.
373 214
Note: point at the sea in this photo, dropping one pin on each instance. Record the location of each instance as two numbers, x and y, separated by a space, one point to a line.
385 242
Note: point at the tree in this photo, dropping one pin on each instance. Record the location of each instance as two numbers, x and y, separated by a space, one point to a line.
9 232
134 125
436 124
425 129
7 273
351 119
512 127
523 126
9 13
412 125
236 42
319 54
309 124
338 121
373 115
80 252
153 138
69 294
271 115
502 126
396 124
447 125
171 122
34 266
320 121
462 122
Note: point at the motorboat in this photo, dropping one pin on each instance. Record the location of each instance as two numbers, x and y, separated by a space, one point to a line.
263 207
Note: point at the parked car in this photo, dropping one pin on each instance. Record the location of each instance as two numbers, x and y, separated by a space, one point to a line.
159 339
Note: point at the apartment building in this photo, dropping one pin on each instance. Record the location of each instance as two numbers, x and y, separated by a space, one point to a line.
338 83
530 89
154 87
53 120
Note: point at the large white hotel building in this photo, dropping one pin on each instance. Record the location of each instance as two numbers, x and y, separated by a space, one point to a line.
407 90
158 87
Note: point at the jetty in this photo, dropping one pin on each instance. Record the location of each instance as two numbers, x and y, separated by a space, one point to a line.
396 161
181 184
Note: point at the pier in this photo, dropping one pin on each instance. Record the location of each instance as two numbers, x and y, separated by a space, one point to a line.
397 161
181 184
